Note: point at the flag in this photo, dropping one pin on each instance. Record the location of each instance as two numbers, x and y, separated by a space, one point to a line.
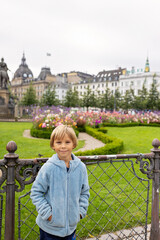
48 54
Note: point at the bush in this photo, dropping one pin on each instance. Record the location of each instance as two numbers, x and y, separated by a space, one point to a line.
113 145
131 124
103 130
38 133
45 133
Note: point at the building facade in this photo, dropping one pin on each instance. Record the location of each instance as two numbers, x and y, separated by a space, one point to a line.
118 79
98 84
23 77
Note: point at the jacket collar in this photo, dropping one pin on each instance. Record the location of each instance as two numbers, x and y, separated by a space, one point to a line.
73 163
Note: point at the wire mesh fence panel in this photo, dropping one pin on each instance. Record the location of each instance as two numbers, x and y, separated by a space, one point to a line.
1 211
27 227
118 204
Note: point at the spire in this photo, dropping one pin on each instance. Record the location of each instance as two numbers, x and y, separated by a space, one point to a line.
23 60
147 68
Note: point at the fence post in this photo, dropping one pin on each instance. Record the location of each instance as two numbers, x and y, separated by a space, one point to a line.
10 158
155 233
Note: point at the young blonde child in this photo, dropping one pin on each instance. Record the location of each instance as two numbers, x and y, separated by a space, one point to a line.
61 191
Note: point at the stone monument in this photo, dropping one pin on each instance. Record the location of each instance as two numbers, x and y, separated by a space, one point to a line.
6 102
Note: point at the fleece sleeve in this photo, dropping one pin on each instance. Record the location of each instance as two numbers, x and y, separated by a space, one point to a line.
39 188
84 196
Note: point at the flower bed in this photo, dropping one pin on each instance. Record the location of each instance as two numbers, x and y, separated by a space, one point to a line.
49 118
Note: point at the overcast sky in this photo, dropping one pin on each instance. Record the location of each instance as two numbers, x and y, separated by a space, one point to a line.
85 35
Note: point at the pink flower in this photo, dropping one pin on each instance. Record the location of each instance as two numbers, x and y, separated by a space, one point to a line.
44 125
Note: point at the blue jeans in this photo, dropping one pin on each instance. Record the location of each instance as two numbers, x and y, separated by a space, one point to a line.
47 236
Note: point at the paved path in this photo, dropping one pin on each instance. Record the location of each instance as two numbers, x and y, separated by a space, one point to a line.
136 233
90 142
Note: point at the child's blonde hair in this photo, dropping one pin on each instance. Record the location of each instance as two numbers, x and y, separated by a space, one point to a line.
59 133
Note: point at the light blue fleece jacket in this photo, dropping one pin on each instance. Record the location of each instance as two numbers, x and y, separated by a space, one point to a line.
62 194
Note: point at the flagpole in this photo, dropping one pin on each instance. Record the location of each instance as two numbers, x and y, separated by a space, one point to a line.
48 55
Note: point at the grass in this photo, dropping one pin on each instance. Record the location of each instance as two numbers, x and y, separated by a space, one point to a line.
136 139
116 198
27 147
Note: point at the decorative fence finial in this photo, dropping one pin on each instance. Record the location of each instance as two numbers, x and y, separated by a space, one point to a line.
156 143
11 147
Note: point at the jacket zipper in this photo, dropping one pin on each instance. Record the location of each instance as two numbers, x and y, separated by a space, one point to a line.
67 216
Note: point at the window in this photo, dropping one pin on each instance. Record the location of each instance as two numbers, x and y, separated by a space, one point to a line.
154 81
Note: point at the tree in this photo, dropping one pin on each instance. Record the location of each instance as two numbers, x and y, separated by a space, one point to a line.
71 99
153 97
107 100
29 97
128 99
49 98
87 98
142 99
117 99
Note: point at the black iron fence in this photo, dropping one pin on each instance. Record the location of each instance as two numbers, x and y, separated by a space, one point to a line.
122 206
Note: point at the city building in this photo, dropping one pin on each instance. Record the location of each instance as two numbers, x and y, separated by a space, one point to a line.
136 79
24 76
99 83
121 79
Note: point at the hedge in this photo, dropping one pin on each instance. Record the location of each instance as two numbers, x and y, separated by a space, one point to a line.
38 133
43 133
102 129
113 145
131 124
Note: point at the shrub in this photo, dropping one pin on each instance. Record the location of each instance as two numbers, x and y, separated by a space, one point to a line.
45 133
131 124
113 145
103 130
38 133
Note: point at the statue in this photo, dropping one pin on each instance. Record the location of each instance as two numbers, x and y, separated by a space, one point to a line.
4 78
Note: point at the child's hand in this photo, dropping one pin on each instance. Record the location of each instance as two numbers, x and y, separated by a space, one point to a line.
50 218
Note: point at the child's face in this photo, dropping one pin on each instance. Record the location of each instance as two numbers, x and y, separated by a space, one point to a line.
63 147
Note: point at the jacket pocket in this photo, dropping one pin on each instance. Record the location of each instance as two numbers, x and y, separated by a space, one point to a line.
74 216
58 218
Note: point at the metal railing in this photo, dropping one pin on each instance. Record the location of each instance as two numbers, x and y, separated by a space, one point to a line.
119 201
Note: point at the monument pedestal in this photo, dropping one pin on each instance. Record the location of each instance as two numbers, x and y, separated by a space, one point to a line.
6 107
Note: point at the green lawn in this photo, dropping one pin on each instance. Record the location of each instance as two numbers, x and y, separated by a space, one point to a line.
136 139
113 199
27 147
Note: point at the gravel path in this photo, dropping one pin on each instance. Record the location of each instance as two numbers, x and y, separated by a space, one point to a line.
90 142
